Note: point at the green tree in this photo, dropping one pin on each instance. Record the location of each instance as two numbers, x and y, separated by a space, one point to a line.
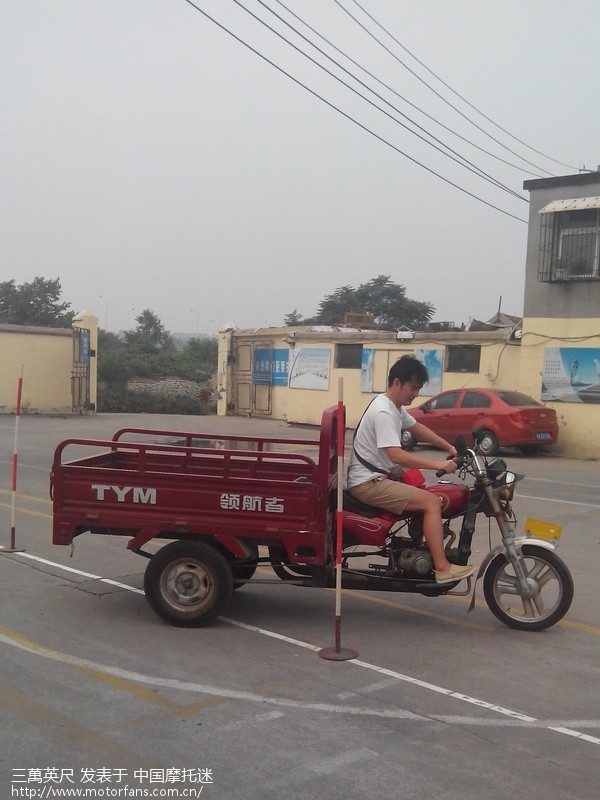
333 306
149 352
385 300
198 359
35 303
293 318
150 335
389 305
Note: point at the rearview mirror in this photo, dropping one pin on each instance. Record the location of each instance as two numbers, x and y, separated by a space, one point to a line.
478 435
460 443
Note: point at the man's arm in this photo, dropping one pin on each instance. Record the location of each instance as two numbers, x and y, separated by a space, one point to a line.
425 434
414 460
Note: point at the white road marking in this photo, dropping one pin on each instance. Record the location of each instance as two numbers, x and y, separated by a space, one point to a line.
257 719
513 718
558 500
372 687
562 483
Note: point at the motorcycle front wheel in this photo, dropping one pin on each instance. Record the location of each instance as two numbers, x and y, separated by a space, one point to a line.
547 575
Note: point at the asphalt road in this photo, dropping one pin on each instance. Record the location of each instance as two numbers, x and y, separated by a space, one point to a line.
97 694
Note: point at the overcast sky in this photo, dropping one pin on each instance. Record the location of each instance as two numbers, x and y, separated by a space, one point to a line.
151 160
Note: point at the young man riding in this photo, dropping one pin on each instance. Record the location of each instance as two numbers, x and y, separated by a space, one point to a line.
377 443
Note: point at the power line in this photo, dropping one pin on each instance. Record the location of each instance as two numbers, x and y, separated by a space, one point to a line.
348 116
401 97
464 99
437 94
462 162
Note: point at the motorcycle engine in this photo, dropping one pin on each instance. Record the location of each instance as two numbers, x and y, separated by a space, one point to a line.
418 562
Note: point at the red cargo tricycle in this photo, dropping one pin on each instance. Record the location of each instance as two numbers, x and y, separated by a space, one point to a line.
218 507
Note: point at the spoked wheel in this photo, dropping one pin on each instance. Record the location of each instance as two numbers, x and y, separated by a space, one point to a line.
549 579
188 584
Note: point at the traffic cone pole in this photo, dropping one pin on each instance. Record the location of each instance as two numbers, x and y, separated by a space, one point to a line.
337 652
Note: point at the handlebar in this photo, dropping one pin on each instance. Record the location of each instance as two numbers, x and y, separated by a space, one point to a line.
441 472
464 458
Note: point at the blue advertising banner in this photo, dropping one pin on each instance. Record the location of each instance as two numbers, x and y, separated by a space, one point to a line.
571 374
280 366
84 346
271 366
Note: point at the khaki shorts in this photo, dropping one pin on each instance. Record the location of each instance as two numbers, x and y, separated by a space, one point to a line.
384 493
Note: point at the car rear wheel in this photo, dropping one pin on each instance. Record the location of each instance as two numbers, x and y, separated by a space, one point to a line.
488 443
408 440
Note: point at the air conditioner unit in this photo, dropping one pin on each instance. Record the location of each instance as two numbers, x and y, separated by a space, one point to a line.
405 334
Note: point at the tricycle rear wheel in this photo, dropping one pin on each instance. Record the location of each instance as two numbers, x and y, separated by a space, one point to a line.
188 584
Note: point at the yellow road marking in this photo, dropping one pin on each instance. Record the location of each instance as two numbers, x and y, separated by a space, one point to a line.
141 692
582 627
418 611
27 511
151 696
34 498
66 728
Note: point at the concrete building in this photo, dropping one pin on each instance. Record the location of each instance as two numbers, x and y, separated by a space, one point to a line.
561 326
293 373
553 355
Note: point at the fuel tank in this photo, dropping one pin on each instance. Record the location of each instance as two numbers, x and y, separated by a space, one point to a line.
454 497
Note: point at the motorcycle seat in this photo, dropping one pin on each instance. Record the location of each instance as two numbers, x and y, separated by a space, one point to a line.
354 505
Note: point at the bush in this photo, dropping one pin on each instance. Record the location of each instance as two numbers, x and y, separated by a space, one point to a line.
120 400
148 354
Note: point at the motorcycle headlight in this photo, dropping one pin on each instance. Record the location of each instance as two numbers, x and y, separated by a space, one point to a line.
496 469
505 485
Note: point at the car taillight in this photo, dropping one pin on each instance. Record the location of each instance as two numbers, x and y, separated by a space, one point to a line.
519 416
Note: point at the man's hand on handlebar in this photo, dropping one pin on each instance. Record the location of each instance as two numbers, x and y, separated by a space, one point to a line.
448 468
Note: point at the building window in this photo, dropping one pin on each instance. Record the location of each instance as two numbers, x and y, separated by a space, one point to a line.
348 356
463 358
570 242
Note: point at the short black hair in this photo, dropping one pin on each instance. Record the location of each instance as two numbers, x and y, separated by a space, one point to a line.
408 368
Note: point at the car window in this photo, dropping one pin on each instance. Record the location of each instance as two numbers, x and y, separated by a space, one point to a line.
446 400
475 400
517 399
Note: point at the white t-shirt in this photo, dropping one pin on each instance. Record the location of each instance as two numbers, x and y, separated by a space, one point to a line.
380 427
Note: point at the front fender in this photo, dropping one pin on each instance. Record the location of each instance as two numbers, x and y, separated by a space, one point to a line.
519 542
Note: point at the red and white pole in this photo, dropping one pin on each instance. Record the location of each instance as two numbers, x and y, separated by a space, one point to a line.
12 548
337 652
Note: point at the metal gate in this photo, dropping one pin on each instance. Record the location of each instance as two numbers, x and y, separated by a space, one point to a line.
252 378
80 376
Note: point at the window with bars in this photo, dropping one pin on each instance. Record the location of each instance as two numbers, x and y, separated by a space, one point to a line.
570 245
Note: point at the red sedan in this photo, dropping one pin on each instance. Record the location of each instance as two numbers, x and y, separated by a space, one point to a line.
507 419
